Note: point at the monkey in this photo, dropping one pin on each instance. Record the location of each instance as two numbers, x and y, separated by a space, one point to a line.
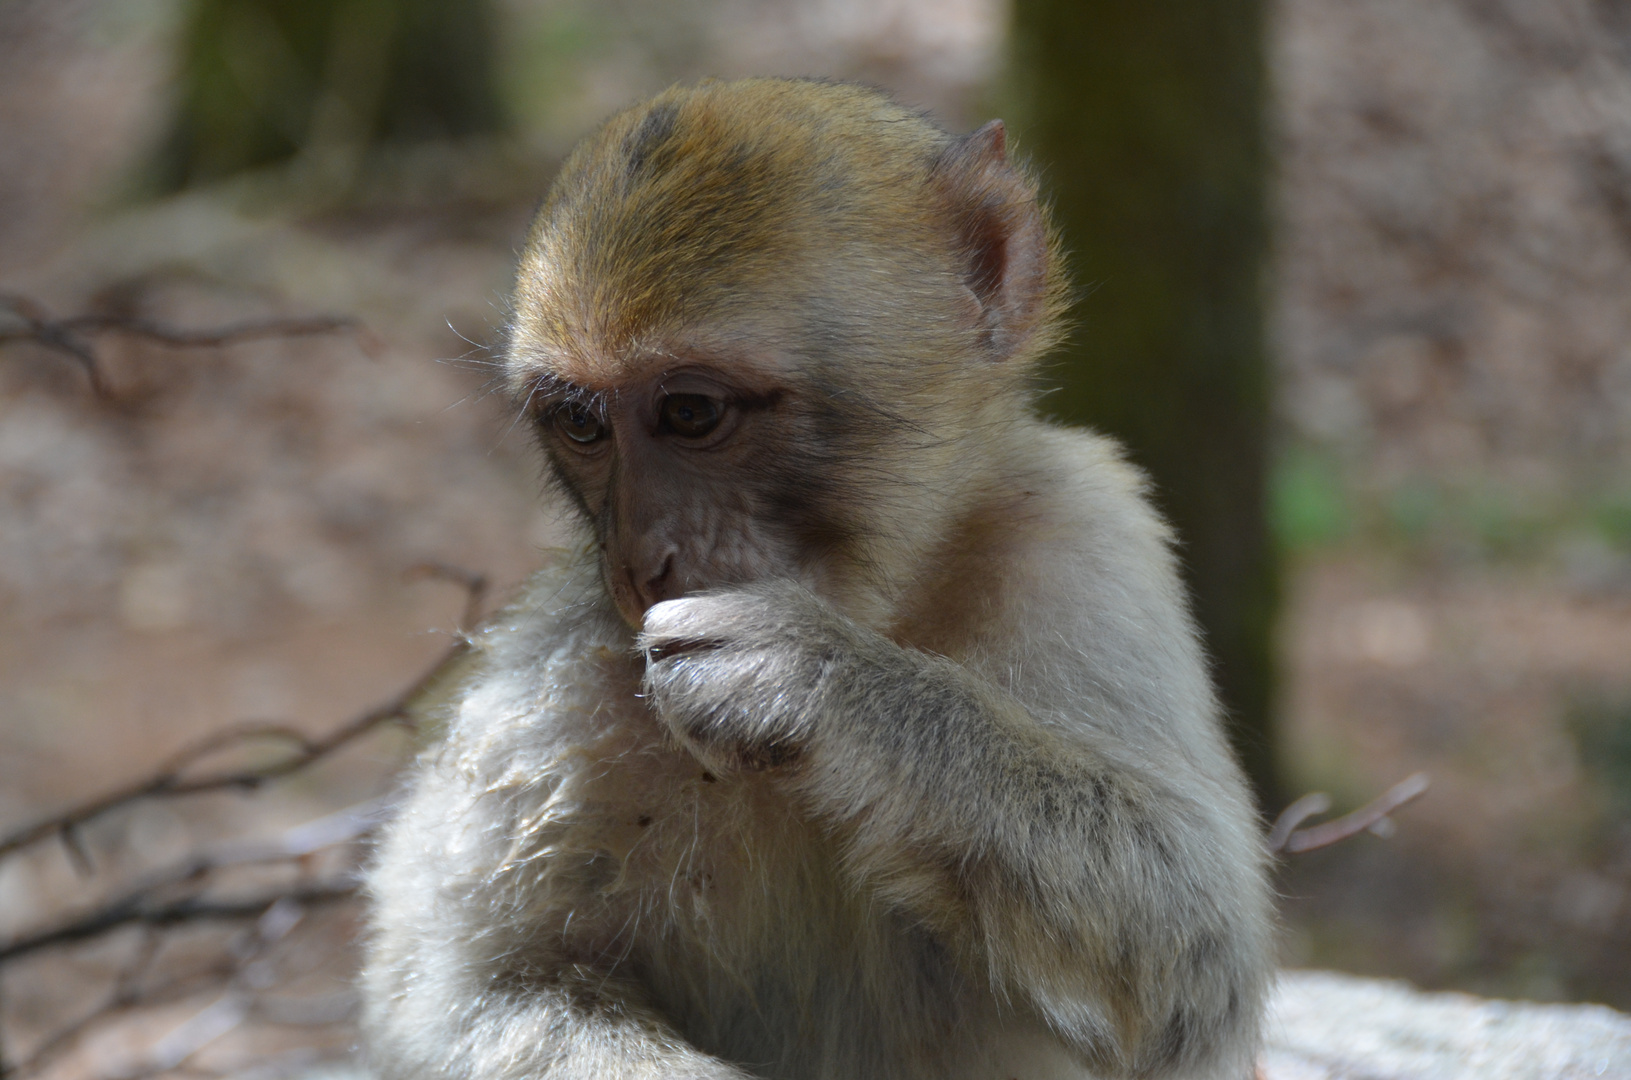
864 733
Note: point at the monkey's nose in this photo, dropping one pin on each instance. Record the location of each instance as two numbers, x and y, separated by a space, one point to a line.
658 587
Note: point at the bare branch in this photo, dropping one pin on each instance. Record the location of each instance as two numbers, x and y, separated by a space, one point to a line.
1286 837
171 781
230 334
142 903
152 904
71 334
170 1053
207 886
235 1006
126 995
475 587
192 909
38 327
1316 802
122 1001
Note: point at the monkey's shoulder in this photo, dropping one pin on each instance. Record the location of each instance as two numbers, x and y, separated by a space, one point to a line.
1075 534
1089 616
1092 492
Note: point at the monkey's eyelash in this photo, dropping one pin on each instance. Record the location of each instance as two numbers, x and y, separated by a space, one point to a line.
548 391
548 395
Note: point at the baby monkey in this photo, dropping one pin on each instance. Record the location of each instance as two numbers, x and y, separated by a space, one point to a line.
867 736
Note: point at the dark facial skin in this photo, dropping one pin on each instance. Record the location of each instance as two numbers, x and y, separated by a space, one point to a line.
670 470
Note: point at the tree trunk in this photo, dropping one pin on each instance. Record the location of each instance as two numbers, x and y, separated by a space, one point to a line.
1147 123
261 81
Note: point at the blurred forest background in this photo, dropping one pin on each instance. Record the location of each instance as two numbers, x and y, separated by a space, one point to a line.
1431 410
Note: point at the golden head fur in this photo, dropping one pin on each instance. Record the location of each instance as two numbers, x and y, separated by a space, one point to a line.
718 205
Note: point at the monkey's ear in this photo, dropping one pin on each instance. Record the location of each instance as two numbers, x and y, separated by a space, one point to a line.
1001 237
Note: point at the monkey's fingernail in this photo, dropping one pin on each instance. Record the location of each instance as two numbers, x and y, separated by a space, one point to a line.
680 646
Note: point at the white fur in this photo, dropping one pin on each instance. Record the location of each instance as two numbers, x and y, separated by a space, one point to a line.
583 885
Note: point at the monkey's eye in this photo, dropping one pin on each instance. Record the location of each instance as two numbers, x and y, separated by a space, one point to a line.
579 424
690 416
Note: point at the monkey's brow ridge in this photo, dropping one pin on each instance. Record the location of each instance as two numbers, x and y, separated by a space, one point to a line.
549 387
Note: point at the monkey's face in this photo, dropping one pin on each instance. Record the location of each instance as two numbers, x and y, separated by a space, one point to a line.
672 470
700 473
770 329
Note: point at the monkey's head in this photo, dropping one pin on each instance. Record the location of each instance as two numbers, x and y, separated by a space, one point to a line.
780 328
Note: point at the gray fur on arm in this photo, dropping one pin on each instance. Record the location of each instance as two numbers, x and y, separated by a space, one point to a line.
1039 851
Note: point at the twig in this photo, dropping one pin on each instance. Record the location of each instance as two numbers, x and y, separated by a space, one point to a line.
1317 802
141 902
235 1006
178 988
69 335
166 1055
1286 837
152 904
192 909
125 995
475 587
189 892
169 781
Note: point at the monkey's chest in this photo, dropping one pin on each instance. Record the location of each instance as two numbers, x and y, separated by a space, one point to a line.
748 936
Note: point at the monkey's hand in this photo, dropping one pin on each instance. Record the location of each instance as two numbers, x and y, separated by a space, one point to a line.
733 673
1091 876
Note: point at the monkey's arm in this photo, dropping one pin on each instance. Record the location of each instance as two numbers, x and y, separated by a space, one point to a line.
474 974
1115 895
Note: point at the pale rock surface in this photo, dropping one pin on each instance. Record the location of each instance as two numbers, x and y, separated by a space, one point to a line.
1325 1026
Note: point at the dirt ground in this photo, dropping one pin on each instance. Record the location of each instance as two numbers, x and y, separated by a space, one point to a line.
1510 877
1455 340
227 535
